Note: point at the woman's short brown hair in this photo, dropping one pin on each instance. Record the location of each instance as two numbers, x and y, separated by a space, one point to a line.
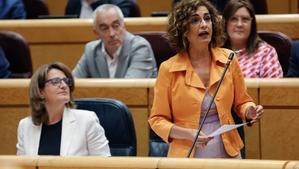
178 24
38 111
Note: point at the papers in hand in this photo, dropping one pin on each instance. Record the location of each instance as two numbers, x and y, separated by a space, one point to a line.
225 128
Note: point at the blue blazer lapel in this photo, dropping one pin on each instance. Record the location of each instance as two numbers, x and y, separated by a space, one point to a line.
68 129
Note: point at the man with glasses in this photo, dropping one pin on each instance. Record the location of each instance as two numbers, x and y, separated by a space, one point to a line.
117 53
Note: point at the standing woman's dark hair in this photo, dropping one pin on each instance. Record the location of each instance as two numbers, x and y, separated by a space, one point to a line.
229 10
37 83
179 20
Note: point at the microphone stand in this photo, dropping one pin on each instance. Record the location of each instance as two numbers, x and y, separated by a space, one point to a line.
231 55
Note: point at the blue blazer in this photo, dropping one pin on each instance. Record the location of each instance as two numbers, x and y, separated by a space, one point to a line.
12 9
293 70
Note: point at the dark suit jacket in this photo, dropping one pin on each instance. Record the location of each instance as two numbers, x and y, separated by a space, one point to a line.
294 61
74 6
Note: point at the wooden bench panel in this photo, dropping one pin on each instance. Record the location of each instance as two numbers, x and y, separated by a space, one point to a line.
15 162
280 93
98 163
184 163
64 39
279 128
138 95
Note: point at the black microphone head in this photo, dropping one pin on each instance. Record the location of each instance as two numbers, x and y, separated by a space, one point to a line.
231 56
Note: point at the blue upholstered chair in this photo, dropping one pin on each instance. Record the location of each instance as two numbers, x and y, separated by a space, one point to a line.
17 52
117 122
161 48
157 147
282 44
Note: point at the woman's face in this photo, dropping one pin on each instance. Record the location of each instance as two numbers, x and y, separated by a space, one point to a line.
56 90
200 27
239 26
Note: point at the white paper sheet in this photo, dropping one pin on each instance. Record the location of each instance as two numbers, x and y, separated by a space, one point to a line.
225 128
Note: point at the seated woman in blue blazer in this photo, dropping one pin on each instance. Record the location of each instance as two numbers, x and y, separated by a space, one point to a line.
54 127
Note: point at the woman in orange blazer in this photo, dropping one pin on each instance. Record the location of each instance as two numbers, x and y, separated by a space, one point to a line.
187 82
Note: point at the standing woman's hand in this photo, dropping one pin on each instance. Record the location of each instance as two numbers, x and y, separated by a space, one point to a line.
202 139
254 113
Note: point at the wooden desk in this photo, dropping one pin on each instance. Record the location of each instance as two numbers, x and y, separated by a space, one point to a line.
15 162
92 162
64 39
57 7
275 137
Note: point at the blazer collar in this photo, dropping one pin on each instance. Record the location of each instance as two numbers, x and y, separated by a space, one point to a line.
35 135
68 127
182 63
101 61
219 59
123 56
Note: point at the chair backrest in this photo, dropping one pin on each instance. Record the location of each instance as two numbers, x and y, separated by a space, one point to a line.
282 43
260 6
17 52
157 147
135 9
35 8
159 44
117 122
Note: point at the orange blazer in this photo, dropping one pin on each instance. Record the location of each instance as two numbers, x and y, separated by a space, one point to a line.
179 92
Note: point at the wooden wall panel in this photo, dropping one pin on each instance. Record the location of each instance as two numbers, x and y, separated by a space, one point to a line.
64 39
98 163
130 96
9 121
282 6
17 162
184 163
279 129
252 139
281 93
275 137
68 54
149 6
56 7
140 116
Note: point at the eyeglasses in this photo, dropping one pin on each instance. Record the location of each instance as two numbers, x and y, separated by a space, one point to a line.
58 81
196 20
244 19
116 25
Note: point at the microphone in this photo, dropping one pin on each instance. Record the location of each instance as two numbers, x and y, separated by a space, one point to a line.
230 58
